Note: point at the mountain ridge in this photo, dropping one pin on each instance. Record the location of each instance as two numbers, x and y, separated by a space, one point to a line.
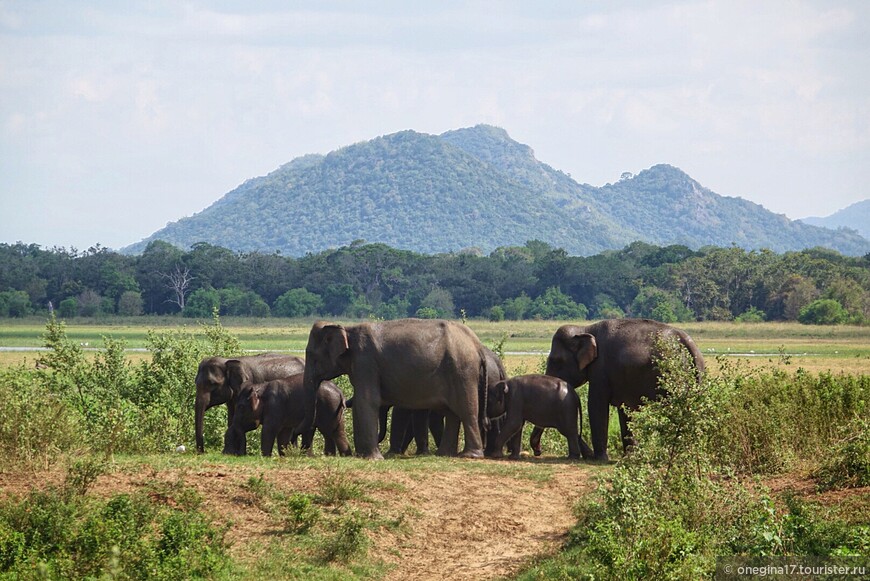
477 188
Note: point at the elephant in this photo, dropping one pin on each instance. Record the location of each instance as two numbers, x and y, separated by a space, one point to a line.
279 406
408 425
543 400
616 357
414 363
414 425
219 379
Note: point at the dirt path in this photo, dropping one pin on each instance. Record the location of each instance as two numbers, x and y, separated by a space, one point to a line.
464 522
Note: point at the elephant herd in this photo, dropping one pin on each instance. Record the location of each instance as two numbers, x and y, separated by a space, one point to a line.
437 376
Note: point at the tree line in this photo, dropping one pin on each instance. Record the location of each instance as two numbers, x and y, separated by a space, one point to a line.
534 281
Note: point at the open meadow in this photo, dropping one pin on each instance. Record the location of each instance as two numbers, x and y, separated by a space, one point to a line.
773 458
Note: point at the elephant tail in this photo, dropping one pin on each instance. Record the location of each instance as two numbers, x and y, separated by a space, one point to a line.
483 392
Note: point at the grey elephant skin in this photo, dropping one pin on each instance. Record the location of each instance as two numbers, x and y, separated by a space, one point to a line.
616 357
279 406
415 425
547 402
219 379
413 363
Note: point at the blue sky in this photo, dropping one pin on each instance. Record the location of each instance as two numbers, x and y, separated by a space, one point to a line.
118 117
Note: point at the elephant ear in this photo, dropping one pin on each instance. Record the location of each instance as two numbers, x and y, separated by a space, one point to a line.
586 348
335 337
235 373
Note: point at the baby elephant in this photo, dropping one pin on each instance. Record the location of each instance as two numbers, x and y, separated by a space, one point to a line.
547 402
279 405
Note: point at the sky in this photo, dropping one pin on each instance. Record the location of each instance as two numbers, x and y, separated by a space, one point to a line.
119 117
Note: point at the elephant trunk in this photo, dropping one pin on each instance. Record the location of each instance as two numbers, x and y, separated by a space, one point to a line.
202 400
310 385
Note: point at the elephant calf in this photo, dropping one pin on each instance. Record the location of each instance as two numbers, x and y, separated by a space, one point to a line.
279 406
547 402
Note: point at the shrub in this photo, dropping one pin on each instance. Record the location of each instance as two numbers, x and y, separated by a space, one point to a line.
823 312
849 462
61 533
751 315
297 302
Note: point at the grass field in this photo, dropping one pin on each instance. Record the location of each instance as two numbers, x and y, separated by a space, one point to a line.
814 348
316 517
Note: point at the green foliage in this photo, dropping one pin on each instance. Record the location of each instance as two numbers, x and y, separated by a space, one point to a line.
772 420
848 464
61 533
104 402
657 304
752 315
201 303
823 312
14 304
348 541
675 503
37 424
506 196
362 280
297 302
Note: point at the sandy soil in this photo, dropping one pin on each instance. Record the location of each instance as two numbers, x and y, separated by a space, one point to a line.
460 523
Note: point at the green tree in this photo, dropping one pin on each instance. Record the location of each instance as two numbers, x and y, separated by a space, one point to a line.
129 304
554 304
15 304
202 303
68 308
441 301
660 305
297 302
823 312
90 303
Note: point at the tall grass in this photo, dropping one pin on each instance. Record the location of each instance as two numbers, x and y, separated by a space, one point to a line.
686 494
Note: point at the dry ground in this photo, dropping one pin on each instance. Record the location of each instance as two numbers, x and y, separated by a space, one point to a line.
460 519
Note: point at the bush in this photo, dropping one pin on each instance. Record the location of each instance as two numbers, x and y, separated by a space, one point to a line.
675 503
60 533
823 312
848 465
297 302
751 315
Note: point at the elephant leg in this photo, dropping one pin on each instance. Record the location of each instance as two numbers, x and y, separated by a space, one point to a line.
307 439
512 425
234 442
382 422
365 425
328 445
399 428
339 439
599 420
468 412
436 426
515 444
535 440
284 440
627 438
450 439
585 451
420 432
267 440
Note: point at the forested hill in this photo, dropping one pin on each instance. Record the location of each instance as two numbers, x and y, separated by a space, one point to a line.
478 188
856 217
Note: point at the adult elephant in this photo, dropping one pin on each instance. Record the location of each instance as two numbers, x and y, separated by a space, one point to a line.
278 406
219 379
616 357
415 425
414 363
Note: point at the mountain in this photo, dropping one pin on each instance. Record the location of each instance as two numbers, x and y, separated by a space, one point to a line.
477 188
856 217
